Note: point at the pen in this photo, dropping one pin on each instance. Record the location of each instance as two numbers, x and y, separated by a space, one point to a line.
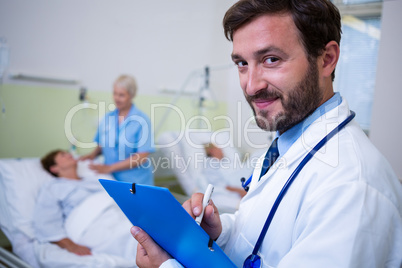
205 201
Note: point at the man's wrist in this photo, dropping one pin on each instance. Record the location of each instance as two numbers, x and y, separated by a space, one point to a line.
171 263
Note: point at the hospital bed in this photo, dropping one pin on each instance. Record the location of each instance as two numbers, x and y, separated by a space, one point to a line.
20 181
194 171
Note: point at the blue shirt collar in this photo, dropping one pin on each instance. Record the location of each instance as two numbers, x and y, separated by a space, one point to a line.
286 140
115 112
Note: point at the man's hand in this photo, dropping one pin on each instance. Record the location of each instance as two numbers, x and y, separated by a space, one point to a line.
211 221
149 254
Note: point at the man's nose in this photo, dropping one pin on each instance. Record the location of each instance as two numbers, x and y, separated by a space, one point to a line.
255 81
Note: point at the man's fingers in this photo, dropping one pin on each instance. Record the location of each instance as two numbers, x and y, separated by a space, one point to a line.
149 254
211 222
187 207
138 234
143 239
142 257
193 206
196 203
141 250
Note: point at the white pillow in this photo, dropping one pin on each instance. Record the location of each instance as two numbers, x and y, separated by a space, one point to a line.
20 181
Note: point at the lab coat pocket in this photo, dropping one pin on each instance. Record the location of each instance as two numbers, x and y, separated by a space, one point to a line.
242 250
265 264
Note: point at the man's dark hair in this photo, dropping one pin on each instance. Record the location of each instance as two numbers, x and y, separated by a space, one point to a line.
318 21
49 160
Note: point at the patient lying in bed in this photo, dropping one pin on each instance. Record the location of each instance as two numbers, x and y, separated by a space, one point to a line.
218 175
224 171
58 220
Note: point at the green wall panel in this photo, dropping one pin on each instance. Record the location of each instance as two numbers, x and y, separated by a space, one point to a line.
38 119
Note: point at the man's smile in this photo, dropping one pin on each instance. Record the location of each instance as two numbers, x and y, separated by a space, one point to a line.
264 103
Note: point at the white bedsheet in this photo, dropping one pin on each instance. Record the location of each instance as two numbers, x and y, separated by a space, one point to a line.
86 213
99 224
51 256
20 181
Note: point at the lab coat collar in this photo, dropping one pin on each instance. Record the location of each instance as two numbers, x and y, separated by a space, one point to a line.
286 140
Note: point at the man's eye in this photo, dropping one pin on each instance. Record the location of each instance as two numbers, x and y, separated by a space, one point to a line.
271 60
241 63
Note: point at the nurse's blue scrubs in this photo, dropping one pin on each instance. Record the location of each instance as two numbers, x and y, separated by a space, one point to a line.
119 142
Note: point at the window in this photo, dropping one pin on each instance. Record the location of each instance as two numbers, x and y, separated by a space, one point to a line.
351 2
357 66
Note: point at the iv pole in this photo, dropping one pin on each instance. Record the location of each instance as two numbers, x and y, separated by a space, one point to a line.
201 95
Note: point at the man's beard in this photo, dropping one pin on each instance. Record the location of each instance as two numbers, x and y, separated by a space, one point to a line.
301 102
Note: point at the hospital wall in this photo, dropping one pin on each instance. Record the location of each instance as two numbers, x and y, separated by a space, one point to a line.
39 119
161 43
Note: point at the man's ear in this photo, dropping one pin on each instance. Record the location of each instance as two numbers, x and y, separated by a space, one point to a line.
330 58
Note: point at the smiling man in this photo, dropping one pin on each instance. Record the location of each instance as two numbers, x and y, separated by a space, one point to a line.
334 200
280 83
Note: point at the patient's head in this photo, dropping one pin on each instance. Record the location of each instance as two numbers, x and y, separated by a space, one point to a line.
213 151
58 161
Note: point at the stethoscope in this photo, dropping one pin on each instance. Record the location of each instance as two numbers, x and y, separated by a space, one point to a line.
254 260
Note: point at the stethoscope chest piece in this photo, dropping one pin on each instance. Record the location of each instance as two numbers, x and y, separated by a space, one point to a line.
253 261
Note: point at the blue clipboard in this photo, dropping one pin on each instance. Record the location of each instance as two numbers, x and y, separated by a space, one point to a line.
157 212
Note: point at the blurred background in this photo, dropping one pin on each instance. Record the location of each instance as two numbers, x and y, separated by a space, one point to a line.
59 60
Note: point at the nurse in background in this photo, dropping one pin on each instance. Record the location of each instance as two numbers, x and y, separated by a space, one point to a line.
124 138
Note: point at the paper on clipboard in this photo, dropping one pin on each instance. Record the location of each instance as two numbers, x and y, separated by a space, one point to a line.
157 212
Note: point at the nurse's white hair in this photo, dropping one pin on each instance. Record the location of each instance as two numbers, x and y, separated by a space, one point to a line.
127 82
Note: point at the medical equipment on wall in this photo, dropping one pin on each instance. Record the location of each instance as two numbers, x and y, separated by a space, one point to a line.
4 58
254 260
204 93
83 94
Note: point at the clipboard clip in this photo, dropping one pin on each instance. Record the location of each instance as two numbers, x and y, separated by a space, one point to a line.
132 190
210 244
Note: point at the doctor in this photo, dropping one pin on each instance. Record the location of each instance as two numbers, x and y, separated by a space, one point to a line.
344 207
124 137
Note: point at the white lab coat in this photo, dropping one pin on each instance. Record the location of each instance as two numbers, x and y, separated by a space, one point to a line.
343 209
